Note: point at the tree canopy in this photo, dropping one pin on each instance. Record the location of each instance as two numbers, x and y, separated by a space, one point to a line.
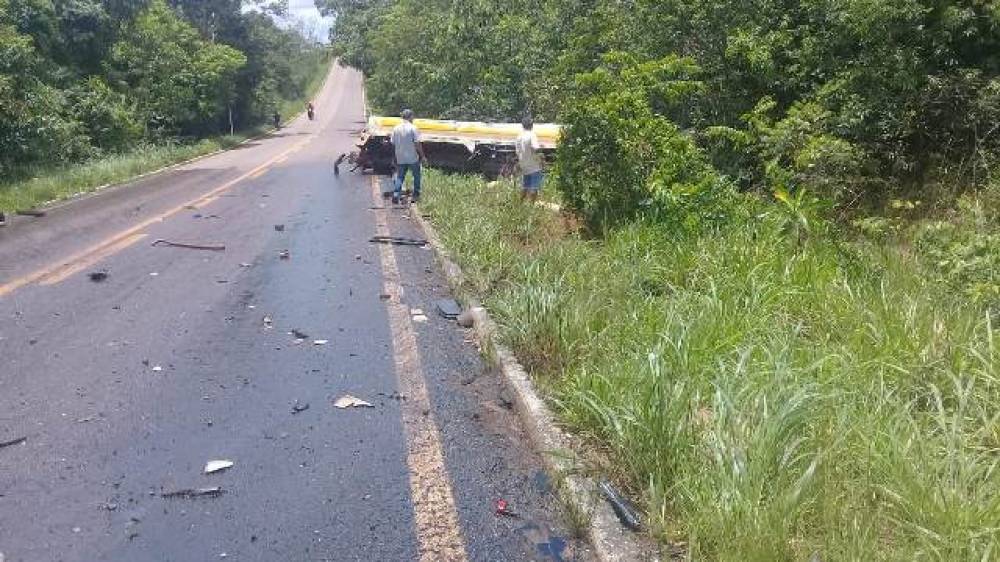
79 78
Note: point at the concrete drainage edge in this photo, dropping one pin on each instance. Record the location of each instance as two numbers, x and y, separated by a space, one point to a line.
611 541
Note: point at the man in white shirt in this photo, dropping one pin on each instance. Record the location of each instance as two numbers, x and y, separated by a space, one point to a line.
409 155
529 160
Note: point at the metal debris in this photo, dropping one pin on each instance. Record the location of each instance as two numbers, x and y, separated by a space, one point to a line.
214 491
626 513
209 247
398 241
13 442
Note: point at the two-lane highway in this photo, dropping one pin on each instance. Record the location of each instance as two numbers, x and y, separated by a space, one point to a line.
125 387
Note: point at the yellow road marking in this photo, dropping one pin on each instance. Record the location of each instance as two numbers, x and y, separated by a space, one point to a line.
70 269
258 174
112 241
438 531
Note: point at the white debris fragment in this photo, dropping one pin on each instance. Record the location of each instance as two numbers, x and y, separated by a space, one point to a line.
216 466
348 401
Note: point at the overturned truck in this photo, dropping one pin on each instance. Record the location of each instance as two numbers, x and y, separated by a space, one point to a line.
458 146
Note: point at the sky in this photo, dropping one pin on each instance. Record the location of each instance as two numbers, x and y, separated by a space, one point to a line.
306 11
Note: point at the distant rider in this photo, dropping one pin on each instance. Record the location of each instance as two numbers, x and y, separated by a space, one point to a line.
311 110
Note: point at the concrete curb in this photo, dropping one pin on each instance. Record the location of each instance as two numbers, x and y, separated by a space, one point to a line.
611 542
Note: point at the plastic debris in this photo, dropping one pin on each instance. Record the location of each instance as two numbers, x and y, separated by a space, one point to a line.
284 255
268 323
348 401
98 276
299 334
504 509
627 514
299 407
320 342
157 369
217 466
279 228
214 491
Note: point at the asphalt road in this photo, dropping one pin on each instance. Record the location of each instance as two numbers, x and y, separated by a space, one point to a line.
125 387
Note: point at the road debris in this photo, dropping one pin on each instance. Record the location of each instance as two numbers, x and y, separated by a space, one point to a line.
217 466
320 342
348 401
398 241
504 509
284 255
336 165
157 369
279 228
299 407
246 265
466 319
418 315
214 491
627 514
30 213
13 442
108 506
98 276
299 335
268 323
448 308
209 247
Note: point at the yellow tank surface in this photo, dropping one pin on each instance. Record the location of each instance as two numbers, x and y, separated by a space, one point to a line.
467 131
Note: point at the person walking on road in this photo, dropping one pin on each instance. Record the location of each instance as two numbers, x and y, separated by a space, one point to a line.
529 160
409 155
3 219
311 110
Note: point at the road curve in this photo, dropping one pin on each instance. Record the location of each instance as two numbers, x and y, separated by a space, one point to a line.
124 386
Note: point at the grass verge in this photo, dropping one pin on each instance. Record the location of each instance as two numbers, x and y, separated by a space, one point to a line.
764 397
45 185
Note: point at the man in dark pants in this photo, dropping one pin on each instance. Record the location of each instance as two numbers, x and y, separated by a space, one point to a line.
409 155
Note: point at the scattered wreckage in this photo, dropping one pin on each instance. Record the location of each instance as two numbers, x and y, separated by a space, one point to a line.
458 146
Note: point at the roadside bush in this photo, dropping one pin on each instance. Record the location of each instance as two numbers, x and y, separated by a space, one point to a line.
107 117
964 252
621 157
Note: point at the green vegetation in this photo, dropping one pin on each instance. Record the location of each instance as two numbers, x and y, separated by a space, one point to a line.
772 297
767 396
94 91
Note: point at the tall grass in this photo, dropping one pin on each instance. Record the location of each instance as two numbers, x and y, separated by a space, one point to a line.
43 185
765 398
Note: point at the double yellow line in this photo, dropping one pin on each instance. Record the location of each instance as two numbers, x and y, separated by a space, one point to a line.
58 272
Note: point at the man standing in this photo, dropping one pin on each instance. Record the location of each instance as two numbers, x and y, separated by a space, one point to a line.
409 155
529 160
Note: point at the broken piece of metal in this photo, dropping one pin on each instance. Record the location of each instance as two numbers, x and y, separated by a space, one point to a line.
209 247
448 308
13 442
626 513
398 241
214 491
